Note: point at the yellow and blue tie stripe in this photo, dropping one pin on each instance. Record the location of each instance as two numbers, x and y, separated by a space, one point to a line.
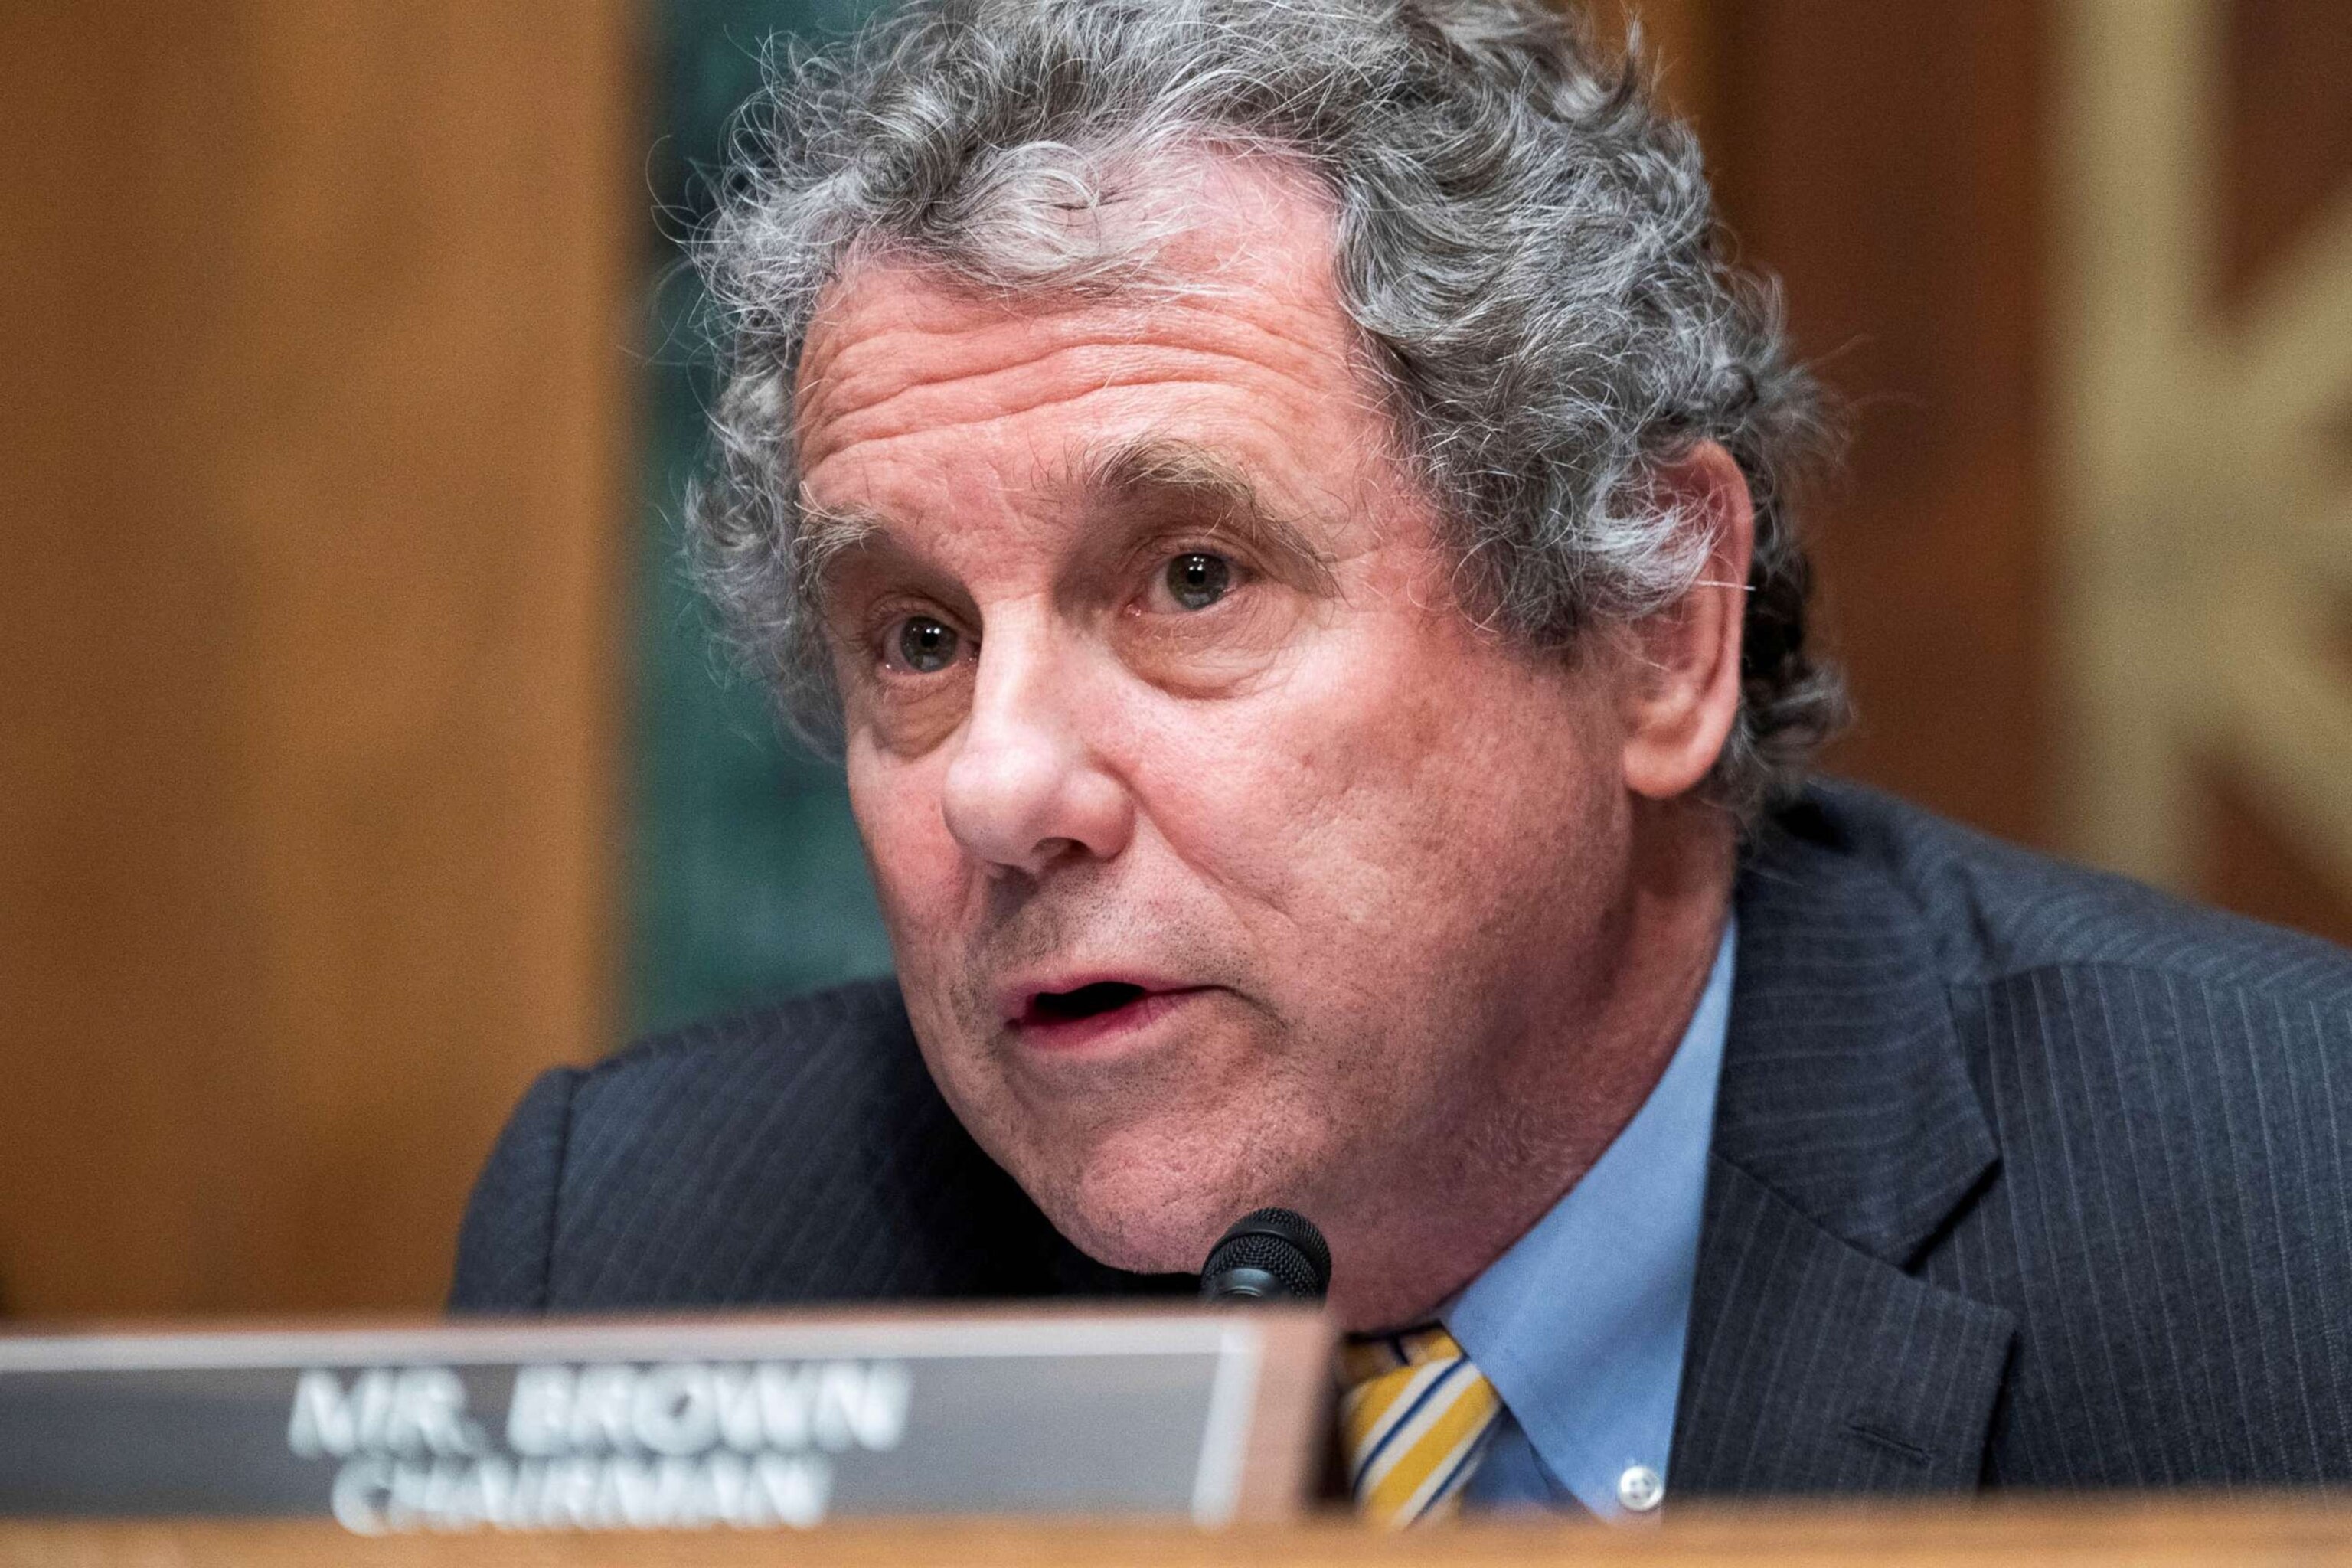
1413 1422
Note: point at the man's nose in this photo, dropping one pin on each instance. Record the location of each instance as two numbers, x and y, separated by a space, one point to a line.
1027 787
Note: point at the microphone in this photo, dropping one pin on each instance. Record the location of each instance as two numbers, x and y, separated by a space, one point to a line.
1269 1255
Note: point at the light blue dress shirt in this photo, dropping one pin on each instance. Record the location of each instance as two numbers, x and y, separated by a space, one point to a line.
1581 1325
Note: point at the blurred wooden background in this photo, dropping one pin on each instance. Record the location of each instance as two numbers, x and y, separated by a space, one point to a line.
316 474
311 458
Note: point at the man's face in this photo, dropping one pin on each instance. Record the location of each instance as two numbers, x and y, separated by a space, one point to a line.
1226 862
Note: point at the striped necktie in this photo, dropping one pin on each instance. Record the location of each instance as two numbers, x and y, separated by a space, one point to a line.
1414 1421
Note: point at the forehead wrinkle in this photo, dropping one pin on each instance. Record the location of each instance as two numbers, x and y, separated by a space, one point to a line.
841 352
835 417
886 330
811 465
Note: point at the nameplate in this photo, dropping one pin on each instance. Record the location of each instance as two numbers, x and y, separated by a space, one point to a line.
750 1423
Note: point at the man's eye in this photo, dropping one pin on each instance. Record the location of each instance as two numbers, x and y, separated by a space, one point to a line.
927 645
1197 580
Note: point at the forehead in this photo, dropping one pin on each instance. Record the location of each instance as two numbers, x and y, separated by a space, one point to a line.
1239 323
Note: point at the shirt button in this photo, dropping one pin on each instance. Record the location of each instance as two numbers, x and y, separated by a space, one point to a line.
1640 1489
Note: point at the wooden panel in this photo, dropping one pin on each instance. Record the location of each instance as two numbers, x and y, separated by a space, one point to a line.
1884 160
2249 863
2286 130
2083 1532
2201 515
310 469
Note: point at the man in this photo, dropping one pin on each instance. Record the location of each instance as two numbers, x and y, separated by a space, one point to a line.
1286 516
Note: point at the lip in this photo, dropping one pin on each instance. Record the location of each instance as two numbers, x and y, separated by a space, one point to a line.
1159 999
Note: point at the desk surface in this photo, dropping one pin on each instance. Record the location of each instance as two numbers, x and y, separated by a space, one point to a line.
2301 1530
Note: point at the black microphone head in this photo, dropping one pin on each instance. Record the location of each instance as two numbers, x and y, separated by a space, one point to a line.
1269 1255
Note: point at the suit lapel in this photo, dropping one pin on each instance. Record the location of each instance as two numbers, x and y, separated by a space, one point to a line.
1814 1367
1847 1134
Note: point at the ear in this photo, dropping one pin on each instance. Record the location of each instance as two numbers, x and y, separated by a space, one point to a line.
1681 683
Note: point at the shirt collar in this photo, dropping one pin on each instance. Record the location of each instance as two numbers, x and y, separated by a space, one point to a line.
1581 1325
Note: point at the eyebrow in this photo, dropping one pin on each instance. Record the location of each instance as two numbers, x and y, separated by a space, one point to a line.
1147 469
822 535
1157 468
824 532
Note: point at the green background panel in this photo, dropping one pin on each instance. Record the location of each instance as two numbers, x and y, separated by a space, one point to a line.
747 878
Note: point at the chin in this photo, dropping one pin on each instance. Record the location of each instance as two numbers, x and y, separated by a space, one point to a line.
1150 1209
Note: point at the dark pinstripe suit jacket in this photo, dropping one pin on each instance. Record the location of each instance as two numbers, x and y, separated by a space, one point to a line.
2022 1175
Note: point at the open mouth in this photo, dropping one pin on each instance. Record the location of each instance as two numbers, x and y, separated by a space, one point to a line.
1086 1002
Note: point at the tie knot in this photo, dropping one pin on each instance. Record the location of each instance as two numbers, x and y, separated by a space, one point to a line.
1414 1421
1367 1356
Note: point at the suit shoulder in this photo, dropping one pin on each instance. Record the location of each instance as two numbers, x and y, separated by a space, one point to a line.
794 1152
679 1117
1998 911
858 1031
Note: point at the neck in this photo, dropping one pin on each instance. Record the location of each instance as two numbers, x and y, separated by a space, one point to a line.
1577 1066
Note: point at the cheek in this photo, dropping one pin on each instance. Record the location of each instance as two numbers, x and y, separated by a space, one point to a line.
918 867
1294 797
1394 778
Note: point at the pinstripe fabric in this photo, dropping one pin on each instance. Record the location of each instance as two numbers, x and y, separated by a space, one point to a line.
798 1154
2022 1175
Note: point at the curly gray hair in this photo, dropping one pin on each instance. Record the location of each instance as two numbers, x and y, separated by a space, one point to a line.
1527 244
